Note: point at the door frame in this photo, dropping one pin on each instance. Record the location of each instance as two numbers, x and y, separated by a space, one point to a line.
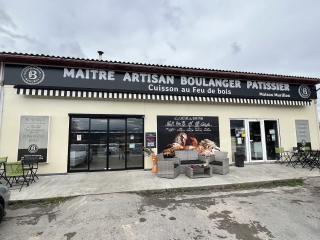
263 140
263 137
107 116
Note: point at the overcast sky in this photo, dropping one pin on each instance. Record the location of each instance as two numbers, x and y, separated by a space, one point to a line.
270 36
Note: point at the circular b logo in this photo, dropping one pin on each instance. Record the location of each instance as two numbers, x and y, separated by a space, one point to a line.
304 91
32 75
33 148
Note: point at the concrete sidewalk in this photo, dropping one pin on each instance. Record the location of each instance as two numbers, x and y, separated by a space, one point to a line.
75 184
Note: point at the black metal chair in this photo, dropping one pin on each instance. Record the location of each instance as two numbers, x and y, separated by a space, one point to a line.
32 164
3 160
315 161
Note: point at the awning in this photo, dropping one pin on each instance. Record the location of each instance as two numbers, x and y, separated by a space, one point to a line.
152 97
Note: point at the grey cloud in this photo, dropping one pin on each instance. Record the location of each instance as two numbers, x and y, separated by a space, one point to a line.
72 48
258 36
13 35
173 14
235 48
171 46
9 30
5 19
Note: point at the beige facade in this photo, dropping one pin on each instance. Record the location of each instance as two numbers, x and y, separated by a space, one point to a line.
58 109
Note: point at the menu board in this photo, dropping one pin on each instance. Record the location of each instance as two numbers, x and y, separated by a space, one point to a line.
303 133
33 137
187 131
151 140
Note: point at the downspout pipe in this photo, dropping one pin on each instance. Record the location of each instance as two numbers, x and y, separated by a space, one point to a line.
1 95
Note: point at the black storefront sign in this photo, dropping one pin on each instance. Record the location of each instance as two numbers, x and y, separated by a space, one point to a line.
135 82
187 132
151 139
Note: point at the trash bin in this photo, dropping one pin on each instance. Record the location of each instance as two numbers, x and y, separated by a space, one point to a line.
239 159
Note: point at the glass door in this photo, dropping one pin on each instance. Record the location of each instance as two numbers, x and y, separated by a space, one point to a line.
255 141
98 144
79 147
103 142
117 144
272 139
135 142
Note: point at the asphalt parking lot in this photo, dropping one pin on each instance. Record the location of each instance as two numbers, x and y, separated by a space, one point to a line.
271 213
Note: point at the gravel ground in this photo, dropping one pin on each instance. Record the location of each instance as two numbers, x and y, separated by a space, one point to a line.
273 213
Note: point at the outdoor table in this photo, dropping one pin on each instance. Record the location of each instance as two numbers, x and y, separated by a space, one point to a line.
198 171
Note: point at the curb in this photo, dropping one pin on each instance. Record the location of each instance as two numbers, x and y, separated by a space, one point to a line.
291 182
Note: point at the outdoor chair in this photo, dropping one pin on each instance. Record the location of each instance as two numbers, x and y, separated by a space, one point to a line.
14 172
302 157
3 160
168 167
308 158
220 164
32 164
284 156
314 160
294 156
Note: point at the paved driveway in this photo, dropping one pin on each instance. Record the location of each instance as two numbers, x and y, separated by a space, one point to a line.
277 213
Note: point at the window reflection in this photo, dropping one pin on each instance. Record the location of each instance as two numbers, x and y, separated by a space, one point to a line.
80 124
78 157
99 125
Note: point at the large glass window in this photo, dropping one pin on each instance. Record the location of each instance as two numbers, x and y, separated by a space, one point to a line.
101 143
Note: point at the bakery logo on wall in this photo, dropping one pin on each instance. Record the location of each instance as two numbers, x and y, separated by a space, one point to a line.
33 148
304 91
32 75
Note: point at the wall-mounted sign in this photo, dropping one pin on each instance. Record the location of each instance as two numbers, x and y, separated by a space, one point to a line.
151 140
188 132
137 82
33 138
302 133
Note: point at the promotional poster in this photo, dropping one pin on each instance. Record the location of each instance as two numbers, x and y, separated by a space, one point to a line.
188 133
33 139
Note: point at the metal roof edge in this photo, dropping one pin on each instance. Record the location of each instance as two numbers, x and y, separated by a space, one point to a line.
26 58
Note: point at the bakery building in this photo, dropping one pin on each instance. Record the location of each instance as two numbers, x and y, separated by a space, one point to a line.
94 115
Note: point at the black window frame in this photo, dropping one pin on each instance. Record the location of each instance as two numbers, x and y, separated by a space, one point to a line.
104 116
